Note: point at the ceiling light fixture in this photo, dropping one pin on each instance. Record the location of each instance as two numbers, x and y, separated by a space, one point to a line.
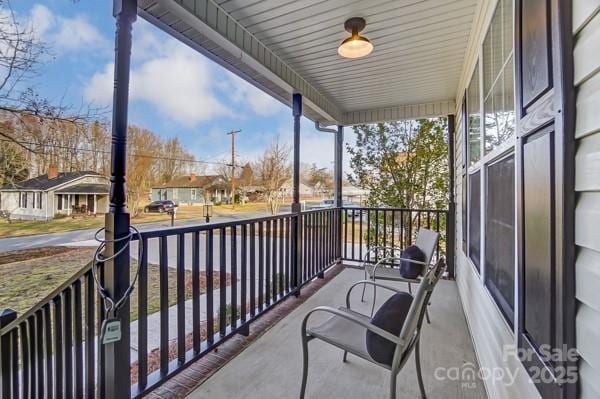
355 46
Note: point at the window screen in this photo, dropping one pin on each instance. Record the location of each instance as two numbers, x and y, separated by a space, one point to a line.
475 218
500 234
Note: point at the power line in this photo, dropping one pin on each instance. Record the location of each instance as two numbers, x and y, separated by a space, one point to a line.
63 147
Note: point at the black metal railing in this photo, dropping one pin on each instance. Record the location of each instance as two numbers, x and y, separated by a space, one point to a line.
49 351
210 282
363 228
197 286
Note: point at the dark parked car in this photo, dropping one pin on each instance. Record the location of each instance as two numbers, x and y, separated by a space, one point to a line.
160 206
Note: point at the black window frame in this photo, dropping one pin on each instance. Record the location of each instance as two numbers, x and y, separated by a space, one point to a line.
506 303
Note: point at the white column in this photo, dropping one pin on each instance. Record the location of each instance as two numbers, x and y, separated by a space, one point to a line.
69 204
95 202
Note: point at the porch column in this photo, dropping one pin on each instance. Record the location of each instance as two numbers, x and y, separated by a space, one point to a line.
117 381
451 222
69 204
337 184
94 203
296 206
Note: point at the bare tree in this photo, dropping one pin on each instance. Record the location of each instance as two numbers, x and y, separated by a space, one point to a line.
143 165
272 171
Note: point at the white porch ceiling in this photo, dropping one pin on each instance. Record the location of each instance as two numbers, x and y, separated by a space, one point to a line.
291 45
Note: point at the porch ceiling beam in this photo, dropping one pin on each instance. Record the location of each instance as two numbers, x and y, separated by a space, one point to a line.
206 27
410 111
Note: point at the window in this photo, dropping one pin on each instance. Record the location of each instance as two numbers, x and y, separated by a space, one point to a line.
500 233
474 118
23 200
498 80
475 218
38 200
59 202
193 193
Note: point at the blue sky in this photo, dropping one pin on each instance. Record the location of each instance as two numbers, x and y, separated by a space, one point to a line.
175 91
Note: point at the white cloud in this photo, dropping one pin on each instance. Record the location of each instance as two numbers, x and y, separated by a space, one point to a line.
260 102
63 33
177 82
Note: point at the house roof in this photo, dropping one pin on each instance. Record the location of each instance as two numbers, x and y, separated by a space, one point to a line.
85 189
193 181
43 183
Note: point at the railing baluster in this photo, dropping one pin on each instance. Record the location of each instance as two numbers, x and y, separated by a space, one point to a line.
210 329
68 340
24 359
369 234
222 281
384 227
401 232
360 234
305 246
15 362
393 223
164 303
47 327
196 291
32 343
78 339
243 273
280 246
234 309
142 291
252 269
90 336
345 235
275 275
101 357
268 262
288 237
39 342
58 348
261 267
181 298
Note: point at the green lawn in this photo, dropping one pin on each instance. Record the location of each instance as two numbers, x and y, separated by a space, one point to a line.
25 283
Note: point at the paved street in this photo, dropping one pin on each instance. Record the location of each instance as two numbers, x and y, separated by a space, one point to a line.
70 237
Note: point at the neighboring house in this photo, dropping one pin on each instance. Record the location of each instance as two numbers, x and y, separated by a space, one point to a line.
354 194
192 190
55 193
287 190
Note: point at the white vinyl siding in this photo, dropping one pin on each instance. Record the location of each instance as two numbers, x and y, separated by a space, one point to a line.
586 30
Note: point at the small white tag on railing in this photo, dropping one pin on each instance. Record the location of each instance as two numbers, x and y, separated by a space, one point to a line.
111 331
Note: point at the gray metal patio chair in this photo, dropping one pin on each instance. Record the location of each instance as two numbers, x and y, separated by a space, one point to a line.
387 268
346 329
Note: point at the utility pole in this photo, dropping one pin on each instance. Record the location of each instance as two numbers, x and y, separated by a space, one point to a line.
232 134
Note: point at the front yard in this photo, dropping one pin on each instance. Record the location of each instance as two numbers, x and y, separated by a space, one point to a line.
23 283
17 228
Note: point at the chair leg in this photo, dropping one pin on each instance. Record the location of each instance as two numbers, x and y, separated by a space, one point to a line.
345 358
427 315
374 298
393 385
304 365
409 288
419 375
362 298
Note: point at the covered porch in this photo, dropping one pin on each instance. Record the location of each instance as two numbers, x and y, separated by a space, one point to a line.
272 365
426 54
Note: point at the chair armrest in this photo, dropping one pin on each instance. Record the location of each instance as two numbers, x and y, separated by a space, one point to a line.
348 316
368 282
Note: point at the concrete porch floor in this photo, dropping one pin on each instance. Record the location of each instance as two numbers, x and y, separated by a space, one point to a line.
271 366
